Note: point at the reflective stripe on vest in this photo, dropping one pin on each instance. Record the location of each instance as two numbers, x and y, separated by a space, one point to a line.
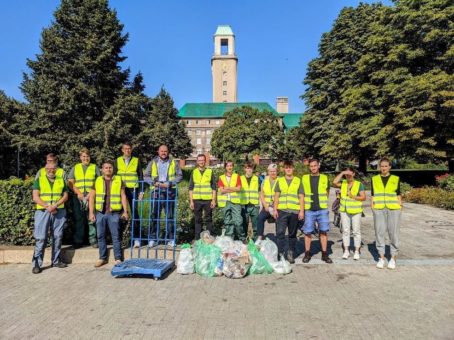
347 204
202 185
50 194
249 193
171 170
128 173
386 196
59 173
322 195
115 193
234 196
288 197
84 181
268 190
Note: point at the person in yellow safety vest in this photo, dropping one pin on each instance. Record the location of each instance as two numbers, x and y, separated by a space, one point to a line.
352 196
249 198
49 194
81 180
229 187
107 205
130 170
163 173
51 158
316 191
266 198
387 209
288 210
202 195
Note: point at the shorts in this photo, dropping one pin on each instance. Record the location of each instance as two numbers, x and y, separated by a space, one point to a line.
319 216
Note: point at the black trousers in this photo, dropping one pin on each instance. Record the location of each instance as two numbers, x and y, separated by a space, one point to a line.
203 207
286 220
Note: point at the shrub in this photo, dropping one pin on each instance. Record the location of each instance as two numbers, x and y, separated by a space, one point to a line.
433 196
445 181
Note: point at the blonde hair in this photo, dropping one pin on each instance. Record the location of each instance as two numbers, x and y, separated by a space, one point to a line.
84 150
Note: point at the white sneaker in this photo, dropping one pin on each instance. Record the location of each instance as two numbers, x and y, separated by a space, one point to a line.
346 254
392 264
356 255
150 244
171 244
136 244
380 263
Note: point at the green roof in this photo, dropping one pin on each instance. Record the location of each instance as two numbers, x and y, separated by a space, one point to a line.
291 120
224 30
217 110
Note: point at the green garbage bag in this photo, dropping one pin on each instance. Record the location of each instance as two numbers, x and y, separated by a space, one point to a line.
259 264
207 257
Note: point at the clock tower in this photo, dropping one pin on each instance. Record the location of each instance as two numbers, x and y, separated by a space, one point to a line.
224 66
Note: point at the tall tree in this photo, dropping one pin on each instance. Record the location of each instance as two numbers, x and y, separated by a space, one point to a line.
75 78
246 132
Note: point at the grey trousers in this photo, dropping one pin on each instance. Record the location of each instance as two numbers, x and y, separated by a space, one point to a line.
386 220
43 221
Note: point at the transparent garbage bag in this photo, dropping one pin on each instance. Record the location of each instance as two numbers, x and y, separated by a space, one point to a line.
282 266
185 263
259 264
269 250
224 242
206 258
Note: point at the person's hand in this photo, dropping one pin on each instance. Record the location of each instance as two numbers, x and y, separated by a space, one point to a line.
191 204
124 216
92 218
301 215
164 185
276 214
140 196
80 196
213 204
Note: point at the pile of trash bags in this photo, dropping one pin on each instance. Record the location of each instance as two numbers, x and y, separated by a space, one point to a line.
222 255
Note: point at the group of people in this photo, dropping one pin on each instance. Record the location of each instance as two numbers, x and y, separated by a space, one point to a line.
297 202
103 198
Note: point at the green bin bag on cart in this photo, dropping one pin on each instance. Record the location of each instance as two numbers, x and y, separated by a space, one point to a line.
259 264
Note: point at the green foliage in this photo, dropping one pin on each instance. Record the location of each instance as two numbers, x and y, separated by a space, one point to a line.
247 132
446 182
16 211
433 196
383 84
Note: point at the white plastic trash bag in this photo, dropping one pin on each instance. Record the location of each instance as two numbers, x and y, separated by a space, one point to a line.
185 263
269 250
282 266
224 242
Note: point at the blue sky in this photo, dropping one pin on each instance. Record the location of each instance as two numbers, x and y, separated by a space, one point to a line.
171 43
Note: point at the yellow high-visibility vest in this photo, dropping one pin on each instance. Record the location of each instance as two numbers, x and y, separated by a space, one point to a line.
322 195
128 173
386 196
171 171
202 185
249 193
84 181
50 194
288 197
347 204
268 190
115 193
234 196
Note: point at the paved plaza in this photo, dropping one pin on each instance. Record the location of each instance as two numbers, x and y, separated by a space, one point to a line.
317 301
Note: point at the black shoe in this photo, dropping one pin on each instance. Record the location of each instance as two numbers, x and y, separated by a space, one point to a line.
290 256
60 265
36 270
307 258
326 259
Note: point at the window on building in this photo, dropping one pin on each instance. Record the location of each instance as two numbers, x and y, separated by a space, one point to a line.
224 46
199 141
224 93
208 141
208 122
199 151
224 83
198 132
196 122
218 122
187 122
208 132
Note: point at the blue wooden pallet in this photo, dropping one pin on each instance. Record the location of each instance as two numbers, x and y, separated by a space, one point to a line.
143 267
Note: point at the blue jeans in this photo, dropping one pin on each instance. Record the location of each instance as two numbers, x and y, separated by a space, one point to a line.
43 221
112 221
321 217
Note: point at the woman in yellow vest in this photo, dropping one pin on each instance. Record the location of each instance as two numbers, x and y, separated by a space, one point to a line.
249 198
266 198
81 180
351 208
50 195
229 187
108 204
289 210
387 208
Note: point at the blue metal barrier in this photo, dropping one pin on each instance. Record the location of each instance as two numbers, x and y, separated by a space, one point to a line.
158 208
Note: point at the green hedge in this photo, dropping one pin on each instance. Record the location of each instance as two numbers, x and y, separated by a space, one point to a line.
433 196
